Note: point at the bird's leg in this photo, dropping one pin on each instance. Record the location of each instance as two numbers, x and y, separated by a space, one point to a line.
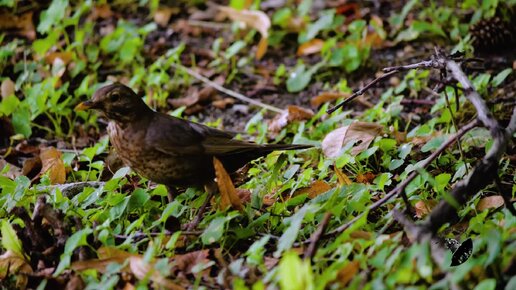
211 188
172 192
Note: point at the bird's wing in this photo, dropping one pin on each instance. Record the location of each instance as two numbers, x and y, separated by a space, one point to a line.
175 136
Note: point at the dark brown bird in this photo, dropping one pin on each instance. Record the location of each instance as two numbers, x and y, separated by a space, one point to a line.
166 149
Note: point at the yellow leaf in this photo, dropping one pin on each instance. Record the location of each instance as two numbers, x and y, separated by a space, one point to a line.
53 165
343 178
313 46
228 193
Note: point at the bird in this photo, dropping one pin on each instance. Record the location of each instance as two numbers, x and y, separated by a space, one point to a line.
169 150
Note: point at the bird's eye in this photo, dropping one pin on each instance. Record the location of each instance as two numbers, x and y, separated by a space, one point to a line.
115 97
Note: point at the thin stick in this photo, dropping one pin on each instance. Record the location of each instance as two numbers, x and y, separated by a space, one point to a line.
226 91
316 236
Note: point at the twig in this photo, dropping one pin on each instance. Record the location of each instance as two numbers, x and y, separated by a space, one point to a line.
226 91
71 189
394 192
316 236
361 91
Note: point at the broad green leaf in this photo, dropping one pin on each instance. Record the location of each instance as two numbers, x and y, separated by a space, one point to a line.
10 240
52 16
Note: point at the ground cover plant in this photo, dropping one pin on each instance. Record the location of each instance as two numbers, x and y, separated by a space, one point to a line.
409 107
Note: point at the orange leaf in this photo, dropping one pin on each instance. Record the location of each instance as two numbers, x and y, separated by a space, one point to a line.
357 131
367 177
326 97
293 113
343 178
316 188
313 46
494 201
424 207
53 165
17 24
347 273
228 193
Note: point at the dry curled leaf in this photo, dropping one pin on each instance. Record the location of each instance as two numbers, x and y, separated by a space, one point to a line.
362 132
343 178
367 177
326 97
228 193
494 201
163 14
424 207
292 113
53 165
7 88
310 47
254 19
346 274
17 24
12 264
316 188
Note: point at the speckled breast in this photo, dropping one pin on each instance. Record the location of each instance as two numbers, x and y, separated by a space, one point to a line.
157 166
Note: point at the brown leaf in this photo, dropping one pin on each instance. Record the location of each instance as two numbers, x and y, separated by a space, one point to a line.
53 164
326 97
186 262
358 131
222 104
494 201
367 177
423 207
12 264
310 47
101 11
65 57
316 188
17 24
347 272
163 14
254 19
293 113
7 88
343 178
13 172
228 193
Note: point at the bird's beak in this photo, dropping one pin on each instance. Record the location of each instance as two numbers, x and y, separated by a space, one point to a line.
84 106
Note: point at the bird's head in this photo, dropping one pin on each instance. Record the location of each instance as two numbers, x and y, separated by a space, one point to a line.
117 102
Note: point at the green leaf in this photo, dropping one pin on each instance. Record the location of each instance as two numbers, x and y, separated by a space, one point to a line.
324 22
487 284
294 273
214 231
10 240
52 16
21 121
434 143
76 240
290 235
501 76
9 105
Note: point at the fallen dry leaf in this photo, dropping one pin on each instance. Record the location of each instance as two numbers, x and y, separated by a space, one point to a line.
316 188
343 178
310 47
367 177
186 262
65 57
53 164
222 104
292 113
254 19
423 207
163 14
17 24
228 193
7 88
13 172
347 272
494 201
102 11
358 131
12 264
326 97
